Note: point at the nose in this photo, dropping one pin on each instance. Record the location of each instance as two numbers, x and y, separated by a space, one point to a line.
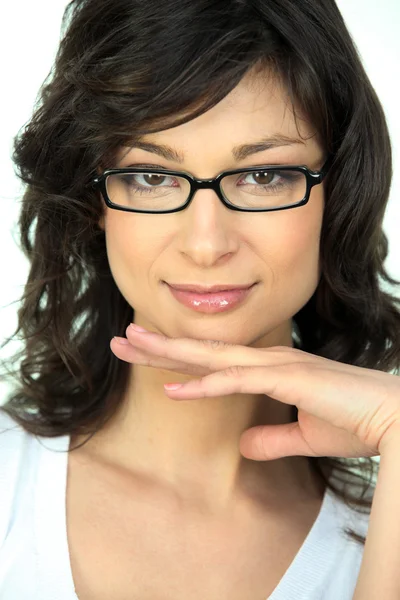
207 229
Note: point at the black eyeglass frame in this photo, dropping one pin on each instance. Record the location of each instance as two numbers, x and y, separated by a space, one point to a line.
312 178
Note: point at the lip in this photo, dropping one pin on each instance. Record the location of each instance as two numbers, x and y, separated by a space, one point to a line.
202 289
214 302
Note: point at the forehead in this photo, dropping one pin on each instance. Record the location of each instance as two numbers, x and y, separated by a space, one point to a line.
258 107
261 100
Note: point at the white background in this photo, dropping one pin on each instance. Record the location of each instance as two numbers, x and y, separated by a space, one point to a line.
28 43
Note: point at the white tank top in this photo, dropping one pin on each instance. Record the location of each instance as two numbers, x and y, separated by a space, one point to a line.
34 557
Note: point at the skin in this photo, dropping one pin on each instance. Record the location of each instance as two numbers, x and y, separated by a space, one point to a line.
192 449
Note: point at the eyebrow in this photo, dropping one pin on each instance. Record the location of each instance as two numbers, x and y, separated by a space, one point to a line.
238 152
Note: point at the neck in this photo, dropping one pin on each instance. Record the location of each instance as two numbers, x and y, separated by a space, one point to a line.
192 447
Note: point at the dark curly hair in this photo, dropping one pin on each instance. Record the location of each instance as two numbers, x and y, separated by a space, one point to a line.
125 68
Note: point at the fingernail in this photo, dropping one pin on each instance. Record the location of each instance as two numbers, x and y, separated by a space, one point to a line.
138 328
120 340
172 386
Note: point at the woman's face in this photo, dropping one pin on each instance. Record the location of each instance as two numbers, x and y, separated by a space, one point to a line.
209 244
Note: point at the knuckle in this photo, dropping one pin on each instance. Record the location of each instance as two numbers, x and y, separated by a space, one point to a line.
301 368
236 371
216 345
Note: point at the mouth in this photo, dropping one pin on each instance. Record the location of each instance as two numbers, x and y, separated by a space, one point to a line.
211 289
212 299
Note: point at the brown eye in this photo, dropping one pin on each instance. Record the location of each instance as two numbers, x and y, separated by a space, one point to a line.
153 179
263 177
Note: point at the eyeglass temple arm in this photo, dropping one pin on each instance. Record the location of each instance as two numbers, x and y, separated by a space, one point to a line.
327 165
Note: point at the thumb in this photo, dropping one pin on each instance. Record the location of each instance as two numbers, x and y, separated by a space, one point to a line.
270 442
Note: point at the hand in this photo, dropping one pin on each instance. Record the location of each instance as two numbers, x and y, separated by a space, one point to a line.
343 410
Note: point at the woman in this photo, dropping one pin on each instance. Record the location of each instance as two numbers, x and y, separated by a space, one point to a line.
111 487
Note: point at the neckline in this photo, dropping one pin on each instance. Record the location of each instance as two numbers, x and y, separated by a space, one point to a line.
53 558
55 578
319 545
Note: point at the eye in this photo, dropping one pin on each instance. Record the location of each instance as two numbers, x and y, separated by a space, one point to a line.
152 179
260 177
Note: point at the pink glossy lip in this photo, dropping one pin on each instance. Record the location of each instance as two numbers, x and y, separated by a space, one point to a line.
211 302
203 289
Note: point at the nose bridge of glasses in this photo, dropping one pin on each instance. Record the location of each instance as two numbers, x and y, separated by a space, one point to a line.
206 184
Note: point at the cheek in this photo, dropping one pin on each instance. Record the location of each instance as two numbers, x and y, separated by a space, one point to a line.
131 249
291 252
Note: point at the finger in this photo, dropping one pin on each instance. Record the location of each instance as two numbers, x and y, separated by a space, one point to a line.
216 355
128 353
311 388
270 442
235 379
213 355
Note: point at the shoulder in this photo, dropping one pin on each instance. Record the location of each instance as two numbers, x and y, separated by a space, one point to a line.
18 456
12 437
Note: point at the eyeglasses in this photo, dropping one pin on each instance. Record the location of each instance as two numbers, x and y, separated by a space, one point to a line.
254 189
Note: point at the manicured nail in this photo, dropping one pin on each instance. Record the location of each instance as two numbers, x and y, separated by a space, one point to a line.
172 386
138 328
122 341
